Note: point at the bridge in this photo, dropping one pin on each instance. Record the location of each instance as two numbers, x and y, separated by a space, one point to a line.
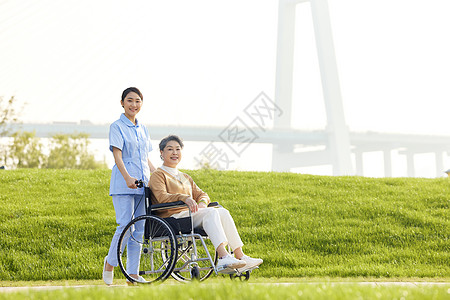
291 148
303 140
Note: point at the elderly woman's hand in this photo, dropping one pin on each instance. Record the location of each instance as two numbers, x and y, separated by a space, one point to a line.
202 205
193 206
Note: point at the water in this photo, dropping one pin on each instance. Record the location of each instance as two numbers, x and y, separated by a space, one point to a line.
258 157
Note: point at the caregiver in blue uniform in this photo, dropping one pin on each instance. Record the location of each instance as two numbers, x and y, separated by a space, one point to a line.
130 144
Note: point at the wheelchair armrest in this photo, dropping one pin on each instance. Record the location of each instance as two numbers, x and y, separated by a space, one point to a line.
160 206
176 204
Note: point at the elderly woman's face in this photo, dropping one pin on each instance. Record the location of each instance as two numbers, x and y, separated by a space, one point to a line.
171 154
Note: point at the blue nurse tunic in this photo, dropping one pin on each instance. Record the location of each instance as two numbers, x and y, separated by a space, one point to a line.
135 143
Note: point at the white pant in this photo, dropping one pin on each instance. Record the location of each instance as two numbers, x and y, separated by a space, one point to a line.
127 207
218 225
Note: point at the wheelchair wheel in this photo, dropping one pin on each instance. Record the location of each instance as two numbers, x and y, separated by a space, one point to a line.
195 273
182 270
147 236
242 277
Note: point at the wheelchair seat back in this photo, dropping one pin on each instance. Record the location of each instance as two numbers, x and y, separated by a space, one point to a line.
183 226
179 225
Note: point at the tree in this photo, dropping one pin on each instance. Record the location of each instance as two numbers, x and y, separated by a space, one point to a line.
26 151
71 152
66 152
8 114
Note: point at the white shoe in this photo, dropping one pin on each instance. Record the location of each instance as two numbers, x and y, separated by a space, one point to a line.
107 275
229 262
140 279
251 263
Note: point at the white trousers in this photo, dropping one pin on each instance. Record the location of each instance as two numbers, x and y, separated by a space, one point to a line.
218 225
127 207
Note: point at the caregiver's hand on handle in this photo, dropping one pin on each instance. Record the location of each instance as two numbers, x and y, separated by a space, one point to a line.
131 182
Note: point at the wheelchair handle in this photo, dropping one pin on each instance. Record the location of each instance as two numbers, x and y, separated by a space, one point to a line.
139 183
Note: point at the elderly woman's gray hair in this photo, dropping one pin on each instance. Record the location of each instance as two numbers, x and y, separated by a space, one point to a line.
169 138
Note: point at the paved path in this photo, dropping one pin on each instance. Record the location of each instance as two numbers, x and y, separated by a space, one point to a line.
372 283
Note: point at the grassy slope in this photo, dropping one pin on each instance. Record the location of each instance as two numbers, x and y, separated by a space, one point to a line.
58 224
238 290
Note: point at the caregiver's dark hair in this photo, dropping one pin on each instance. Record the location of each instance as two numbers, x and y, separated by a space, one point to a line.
129 90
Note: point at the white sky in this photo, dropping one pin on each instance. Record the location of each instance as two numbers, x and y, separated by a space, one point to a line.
202 61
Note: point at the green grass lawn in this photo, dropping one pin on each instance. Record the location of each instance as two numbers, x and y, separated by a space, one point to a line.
57 225
238 290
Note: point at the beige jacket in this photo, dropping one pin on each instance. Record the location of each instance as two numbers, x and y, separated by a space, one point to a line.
167 188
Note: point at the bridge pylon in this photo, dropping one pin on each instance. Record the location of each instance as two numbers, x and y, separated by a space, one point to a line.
337 150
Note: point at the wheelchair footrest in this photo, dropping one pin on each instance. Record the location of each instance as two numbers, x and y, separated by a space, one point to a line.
226 270
247 270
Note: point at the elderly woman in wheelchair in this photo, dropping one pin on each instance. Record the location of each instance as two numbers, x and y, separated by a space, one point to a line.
182 227
170 185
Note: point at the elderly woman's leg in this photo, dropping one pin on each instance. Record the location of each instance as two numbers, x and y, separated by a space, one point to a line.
235 241
220 227
230 230
210 220
221 250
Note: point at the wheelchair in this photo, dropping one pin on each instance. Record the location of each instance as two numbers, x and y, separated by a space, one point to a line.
170 247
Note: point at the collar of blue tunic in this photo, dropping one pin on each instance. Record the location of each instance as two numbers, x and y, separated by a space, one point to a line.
127 121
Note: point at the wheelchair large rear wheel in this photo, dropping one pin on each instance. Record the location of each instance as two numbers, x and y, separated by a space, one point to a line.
147 237
182 270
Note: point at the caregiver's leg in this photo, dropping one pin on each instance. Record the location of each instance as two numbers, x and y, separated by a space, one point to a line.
123 206
134 244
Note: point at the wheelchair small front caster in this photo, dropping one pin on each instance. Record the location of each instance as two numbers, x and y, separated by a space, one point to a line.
195 273
242 277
